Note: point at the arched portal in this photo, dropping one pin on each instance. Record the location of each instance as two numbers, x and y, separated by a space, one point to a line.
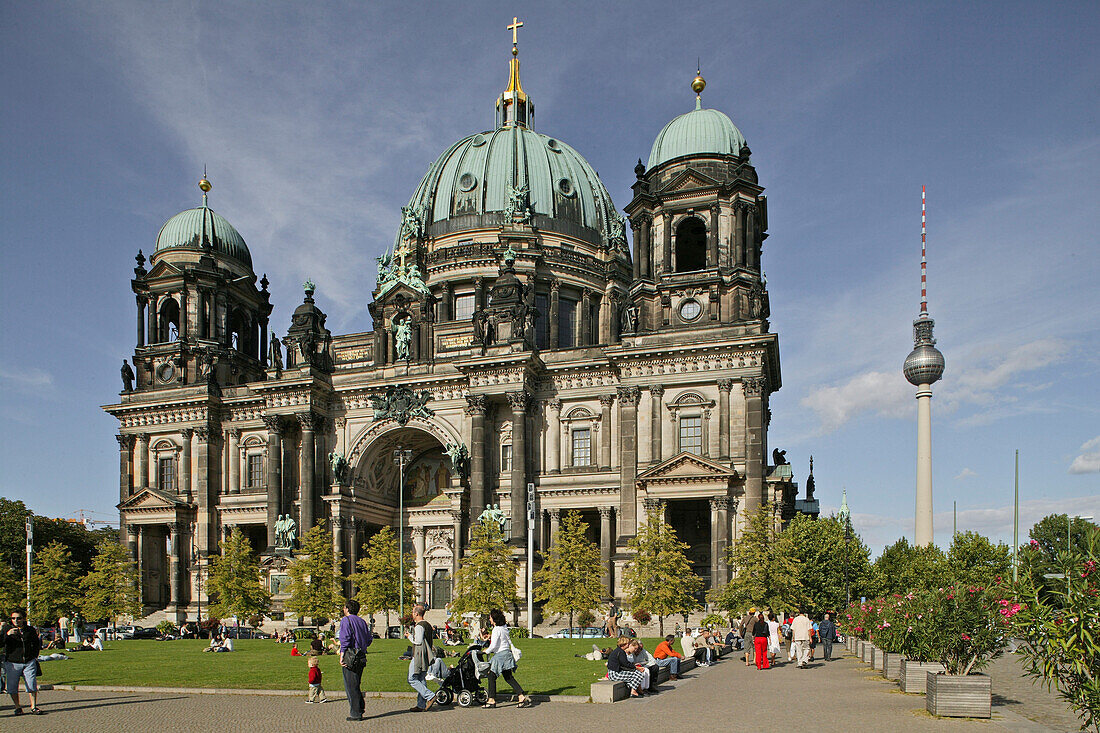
427 468
691 245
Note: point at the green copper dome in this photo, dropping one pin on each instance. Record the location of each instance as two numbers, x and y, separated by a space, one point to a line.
699 132
470 184
201 228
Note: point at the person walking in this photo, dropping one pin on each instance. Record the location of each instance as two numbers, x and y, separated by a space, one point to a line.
746 634
355 637
503 663
773 637
421 637
760 634
801 628
21 648
827 631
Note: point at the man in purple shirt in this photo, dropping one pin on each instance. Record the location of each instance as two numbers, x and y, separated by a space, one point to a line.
354 635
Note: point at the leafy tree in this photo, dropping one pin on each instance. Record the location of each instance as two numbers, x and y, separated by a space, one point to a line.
111 587
1039 557
235 582
660 578
376 581
902 567
55 589
314 577
820 547
80 541
571 580
486 576
766 568
12 589
975 561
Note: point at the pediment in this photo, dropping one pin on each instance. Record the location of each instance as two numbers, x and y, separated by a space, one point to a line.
687 466
152 499
689 179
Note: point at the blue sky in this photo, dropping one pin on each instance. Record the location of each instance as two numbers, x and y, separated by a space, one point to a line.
317 120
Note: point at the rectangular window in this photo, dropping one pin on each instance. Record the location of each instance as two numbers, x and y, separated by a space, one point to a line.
542 323
464 306
505 458
166 468
691 435
567 323
582 447
256 471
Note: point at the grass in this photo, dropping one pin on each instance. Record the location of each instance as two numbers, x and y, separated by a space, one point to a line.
548 666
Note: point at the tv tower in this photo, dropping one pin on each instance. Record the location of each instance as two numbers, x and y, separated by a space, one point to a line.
923 367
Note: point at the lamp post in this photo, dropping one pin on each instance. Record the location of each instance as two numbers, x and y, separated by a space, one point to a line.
197 561
845 515
401 456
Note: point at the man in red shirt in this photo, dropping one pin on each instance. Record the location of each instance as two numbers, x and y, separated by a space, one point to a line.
666 656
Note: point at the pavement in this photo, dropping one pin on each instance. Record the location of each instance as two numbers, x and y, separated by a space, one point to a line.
840 695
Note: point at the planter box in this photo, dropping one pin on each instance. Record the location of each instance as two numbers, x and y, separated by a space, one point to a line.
891 666
959 696
857 648
868 653
914 675
880 659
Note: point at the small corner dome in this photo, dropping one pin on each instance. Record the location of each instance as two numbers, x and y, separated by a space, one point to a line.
699 132
200 228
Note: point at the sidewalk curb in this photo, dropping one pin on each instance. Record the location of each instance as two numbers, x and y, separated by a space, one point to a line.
332 694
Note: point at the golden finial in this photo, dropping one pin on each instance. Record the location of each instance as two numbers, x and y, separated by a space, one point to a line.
514 27
698 84
204 185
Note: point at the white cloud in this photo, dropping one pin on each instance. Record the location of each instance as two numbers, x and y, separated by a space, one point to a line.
1089 459
877 392
26 380
965 473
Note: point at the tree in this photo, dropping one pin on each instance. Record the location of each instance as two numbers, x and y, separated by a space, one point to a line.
314 575
486 576
1048 538
660 578
902 567
820 547
975 561
235 581
55 589
12 589
376 581
765 565
571 580
111 587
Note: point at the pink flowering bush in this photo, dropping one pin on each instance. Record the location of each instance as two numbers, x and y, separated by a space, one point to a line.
970 626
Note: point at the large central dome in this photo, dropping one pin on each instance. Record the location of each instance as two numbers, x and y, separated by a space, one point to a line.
469 186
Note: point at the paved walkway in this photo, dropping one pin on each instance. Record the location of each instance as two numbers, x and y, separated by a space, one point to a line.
841 695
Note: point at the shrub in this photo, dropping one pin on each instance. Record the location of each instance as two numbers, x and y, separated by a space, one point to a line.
166 627
586 618
714 619
256 621
970 630
518 632
210 624
407 619
641 616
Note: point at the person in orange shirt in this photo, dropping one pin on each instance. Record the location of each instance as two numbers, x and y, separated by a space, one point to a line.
666 656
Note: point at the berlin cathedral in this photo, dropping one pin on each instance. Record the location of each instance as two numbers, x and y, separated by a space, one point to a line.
524 356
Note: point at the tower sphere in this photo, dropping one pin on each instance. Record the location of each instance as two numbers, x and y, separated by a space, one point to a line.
924 365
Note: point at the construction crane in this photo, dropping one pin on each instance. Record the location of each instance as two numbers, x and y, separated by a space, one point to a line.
88 522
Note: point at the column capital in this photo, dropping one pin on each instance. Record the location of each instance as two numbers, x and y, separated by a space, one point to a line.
555 285
554 404
143 438
476 404
187 433
418 531
755 386
125 442
606 400
518 401
206 432
309 421
606 512
457 515
629 395
554 512
651 504
339 422
131 529
657 390
706 413
719 502
274 424
725 385
235 433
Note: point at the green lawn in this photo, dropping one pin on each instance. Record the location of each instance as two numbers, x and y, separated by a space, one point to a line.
548 666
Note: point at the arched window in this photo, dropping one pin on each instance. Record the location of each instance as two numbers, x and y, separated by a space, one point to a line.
169 321
238 331
691 245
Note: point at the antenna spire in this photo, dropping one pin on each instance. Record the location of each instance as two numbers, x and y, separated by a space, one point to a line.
923 259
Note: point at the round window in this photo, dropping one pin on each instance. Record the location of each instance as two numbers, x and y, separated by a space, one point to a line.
553 145
467 181
690 310
478 141
565 186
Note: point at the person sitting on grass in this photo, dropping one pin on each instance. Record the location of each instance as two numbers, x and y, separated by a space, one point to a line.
620 669
666 656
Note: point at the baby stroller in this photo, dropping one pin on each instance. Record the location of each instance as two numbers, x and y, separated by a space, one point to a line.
462 684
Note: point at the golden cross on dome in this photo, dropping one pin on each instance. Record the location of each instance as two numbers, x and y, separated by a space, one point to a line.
514 27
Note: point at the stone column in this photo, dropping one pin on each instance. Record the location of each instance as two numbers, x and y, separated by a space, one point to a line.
200 309
553 437
206 437
174 566
142 461
151 326
185 465
307 495
479 293
724 388
667 254
755 389
275 430
456 544
132 541
605 546
606 400
628 472
706 432
141 303
125 467
723 542
555 522
337 543
635 227
263 342
518 498
555 288
475 409
234 460
647 247
712 238
656 392
586 318
421 561
446 303
739 234
716 546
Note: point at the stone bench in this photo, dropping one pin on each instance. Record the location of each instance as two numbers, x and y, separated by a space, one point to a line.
604 691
